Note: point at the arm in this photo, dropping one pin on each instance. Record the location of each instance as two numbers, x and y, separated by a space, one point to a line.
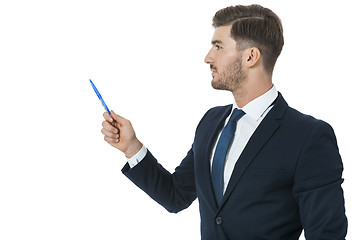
175 191
317 186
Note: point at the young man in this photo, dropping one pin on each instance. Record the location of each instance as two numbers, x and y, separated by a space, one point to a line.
260 169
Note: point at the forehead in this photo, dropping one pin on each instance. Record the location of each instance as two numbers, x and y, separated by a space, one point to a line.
222 34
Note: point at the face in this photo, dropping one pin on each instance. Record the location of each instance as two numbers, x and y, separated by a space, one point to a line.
225 61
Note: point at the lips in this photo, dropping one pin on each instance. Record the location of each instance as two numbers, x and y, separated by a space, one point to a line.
213 69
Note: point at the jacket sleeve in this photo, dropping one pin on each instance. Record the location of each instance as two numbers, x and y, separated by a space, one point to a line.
317 186
175 191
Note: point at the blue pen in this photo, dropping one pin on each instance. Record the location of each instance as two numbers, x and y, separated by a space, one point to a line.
99 96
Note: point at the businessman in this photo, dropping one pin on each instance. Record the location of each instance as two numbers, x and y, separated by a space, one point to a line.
259 168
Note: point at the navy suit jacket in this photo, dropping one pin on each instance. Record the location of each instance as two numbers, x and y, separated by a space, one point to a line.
288 178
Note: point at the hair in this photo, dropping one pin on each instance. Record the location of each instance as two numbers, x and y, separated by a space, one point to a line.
254 26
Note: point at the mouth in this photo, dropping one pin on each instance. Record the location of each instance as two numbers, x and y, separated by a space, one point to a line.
213 70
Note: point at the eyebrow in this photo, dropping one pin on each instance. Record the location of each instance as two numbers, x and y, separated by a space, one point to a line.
216 42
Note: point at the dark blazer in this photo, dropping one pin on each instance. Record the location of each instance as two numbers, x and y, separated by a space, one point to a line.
288 178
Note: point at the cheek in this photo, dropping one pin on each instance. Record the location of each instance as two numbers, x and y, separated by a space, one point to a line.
224 66
227 59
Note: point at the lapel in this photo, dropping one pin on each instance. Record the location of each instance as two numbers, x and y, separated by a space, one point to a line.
213 124
262 134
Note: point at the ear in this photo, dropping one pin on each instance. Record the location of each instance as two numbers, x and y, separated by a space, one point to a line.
252 56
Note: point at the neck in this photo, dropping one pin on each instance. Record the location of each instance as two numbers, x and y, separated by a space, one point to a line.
252 89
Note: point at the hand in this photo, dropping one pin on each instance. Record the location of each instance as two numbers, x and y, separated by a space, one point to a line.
120 134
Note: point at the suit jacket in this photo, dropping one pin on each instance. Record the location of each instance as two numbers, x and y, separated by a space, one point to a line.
288 178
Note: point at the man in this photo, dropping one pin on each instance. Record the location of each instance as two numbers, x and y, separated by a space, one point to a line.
260 169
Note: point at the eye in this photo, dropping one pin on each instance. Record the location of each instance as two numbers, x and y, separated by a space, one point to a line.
218 47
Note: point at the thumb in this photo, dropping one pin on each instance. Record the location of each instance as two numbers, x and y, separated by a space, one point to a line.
117 118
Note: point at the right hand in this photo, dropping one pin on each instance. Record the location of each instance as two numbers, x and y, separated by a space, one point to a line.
120 134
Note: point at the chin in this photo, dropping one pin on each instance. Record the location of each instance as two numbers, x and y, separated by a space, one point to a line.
216 84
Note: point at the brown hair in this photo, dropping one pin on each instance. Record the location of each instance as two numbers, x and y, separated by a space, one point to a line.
254 26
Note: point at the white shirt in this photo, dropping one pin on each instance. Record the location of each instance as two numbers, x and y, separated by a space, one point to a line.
255 112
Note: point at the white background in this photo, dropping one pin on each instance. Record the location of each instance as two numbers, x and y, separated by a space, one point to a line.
60 180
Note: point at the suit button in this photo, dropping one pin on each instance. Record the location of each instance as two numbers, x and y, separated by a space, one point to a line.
218 220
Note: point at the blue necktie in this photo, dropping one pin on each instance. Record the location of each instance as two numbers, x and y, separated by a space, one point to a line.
226 137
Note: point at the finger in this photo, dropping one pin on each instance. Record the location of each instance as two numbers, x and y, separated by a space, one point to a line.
108 117
109 127
110 134
111 140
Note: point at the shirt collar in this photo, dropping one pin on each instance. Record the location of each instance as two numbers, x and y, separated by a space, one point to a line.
257 107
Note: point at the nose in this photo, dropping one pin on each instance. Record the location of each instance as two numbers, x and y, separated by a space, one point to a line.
209 58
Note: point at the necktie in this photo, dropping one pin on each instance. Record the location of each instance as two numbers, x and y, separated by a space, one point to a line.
221 150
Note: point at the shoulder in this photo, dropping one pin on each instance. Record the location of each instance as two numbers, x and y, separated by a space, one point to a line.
297 123
298 118
213 117
218 110
292 117
216 113
307 130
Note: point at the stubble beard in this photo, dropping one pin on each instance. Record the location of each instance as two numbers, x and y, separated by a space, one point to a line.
231 79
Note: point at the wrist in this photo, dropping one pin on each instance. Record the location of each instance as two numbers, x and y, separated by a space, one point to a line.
133 149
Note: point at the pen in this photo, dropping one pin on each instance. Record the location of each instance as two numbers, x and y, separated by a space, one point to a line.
99 96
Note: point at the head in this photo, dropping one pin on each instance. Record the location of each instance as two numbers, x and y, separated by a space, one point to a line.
245 37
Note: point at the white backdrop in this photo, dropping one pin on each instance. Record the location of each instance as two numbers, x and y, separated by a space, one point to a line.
60 180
